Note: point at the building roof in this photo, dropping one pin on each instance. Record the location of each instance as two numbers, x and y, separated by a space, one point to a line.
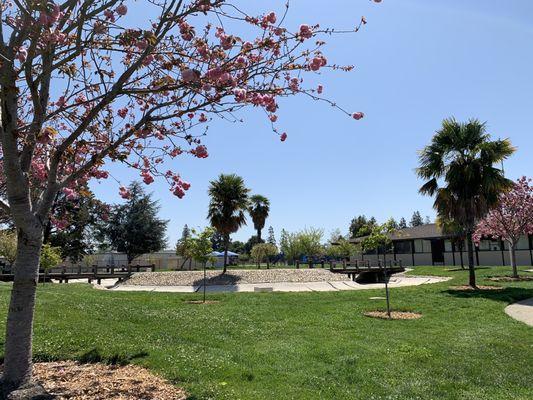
426 231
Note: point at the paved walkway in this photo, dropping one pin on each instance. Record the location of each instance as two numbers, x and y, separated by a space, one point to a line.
399 281
521 311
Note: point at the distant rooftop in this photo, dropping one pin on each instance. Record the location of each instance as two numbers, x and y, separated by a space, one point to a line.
427 231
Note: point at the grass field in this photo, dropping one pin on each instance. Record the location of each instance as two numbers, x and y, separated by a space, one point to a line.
301 345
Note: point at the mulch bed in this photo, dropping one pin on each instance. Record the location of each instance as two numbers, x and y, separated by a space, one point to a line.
467 288
75 381
394 315
510 279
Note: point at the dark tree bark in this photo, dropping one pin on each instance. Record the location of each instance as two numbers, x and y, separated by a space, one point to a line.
226 246
19 326
471 268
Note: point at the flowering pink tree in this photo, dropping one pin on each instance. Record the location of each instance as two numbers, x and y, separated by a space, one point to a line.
512 218
82 87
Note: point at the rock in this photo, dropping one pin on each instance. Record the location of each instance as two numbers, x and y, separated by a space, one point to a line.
31 392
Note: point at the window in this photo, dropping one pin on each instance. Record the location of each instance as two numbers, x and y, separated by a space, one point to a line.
489 245
402 247
523 244
422 246
448 246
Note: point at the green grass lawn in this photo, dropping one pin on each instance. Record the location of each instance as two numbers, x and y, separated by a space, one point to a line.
301 345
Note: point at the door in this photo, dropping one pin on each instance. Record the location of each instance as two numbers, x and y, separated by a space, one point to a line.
437 250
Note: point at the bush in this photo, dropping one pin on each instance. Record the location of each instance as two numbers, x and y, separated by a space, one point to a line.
50 257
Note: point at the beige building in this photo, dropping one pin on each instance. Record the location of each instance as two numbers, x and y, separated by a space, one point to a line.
427 245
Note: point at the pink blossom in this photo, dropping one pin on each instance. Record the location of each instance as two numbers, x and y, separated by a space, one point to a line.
70 194
294 84
22 54
317 62
61 102
122 10
273 117
47 134
124 193
189 75
110 15
358 115
320 89
148 60
202 118
147 177
305 32
186 31
123 112
283 137
240 95
178 191
200 151
271 17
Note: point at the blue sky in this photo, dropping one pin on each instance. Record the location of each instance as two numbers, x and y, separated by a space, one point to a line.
417 62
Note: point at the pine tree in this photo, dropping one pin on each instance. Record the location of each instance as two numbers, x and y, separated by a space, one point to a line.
186 233
416 219
134 228
271 236
402 224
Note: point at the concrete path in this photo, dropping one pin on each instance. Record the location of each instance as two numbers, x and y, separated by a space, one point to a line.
521 311
400 281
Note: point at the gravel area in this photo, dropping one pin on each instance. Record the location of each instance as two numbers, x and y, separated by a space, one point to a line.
233 277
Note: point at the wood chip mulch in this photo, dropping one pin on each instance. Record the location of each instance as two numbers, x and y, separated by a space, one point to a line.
75 381
467 288
511 279
394 315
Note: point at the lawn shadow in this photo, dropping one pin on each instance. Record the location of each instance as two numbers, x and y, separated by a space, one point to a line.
221 279
508 295
94 356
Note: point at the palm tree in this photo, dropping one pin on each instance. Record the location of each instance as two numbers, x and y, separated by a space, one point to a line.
458 166
229 202
259 209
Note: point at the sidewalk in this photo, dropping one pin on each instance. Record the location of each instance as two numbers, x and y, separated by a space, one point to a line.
521 311
283 286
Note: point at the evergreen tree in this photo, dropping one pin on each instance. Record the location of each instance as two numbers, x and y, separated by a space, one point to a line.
186 233
217 241
271 236
77 238
237 247
356 224
416 219
427 221
402 224
134 228
251 243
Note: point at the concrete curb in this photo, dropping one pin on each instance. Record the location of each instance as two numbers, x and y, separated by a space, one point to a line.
521 311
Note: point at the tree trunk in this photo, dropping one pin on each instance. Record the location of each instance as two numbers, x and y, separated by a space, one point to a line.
226 246
512 254
19 325
471 270
258 235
